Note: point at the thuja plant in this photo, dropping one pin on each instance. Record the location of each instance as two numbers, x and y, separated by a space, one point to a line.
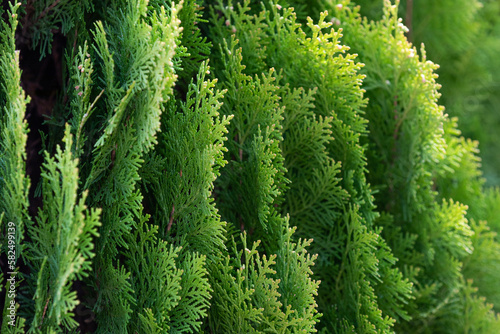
261 292
178 197
464 43
462 37
14 184
249 192
42 19
60 246
62 242
408 146
151 255
463 181
328 198
112 122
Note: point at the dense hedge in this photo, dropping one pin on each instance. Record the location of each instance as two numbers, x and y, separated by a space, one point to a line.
240 167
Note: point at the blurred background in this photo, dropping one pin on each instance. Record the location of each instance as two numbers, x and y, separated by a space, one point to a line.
463 37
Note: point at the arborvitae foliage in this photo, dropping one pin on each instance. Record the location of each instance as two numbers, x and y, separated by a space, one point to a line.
14 184
462 180
462 37
44 18
180 188
247 287
62 242
492 212
193 47
273 292
135 54
179 192
254 178
433 237
340 221
149 151
458 176
449 26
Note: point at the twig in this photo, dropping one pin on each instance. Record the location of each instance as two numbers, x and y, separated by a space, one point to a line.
45 309
171 220
409 19
46 10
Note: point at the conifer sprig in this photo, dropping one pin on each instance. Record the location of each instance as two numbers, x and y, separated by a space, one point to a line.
181 188
322 125
249 193
62 245
14 184
44 18
409 142
255 174
136 51
160 291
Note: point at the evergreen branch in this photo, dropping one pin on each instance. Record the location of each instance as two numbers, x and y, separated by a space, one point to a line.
160 291
195 295
62 242
182 189
140 49
14 185
47 9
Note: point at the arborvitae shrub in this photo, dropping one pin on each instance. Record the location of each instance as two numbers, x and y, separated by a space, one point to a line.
14 184
408 147
462 37
321 125
248 193
178 197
